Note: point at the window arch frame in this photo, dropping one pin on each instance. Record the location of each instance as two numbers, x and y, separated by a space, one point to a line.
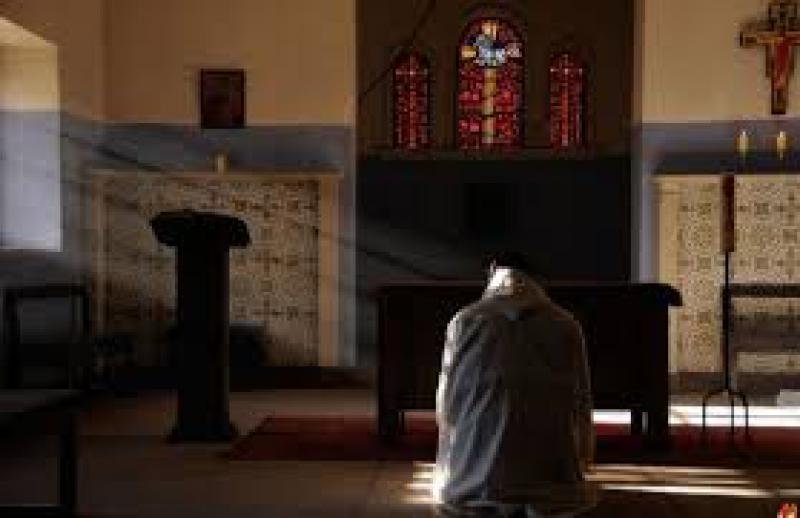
398 60
515 24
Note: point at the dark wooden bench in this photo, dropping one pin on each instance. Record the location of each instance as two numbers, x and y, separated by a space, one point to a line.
30 412
74 294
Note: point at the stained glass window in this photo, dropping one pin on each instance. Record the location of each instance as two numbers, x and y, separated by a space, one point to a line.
567 102
411 101
490 76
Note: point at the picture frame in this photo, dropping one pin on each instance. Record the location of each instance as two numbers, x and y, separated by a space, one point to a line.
222 98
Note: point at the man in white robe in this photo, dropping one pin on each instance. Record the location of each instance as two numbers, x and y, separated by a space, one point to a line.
513 405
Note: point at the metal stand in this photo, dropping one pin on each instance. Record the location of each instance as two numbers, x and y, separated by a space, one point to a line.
727 389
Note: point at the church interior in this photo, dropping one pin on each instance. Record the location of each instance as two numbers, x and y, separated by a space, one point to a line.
232 234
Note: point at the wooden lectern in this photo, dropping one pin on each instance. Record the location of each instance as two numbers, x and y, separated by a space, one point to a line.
202 241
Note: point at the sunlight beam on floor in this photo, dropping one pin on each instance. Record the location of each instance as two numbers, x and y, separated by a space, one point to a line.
717 415
668 480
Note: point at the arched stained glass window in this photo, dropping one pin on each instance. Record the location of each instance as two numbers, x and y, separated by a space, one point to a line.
567 101
411 101
490 76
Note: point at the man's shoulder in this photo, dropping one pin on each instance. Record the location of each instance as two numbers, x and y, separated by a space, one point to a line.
476 314
482 309
563 316
493 307
563 323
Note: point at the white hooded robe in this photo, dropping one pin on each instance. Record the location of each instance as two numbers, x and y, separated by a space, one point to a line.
514 404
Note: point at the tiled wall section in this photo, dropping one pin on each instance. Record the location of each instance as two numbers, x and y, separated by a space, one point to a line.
273 282
764 342
297 147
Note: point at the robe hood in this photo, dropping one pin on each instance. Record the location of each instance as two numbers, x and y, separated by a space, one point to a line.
516 290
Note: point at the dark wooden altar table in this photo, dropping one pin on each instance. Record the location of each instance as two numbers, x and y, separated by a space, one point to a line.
626 328
32 412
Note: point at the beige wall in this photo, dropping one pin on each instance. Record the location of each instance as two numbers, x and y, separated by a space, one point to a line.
29 70
153 49
76 27
693 67
299 56
638 60
30 79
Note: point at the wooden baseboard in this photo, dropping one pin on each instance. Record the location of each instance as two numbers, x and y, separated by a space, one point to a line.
304 377
751 384
260 378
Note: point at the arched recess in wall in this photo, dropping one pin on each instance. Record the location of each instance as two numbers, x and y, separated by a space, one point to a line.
489 100
30 150
411 101
567 106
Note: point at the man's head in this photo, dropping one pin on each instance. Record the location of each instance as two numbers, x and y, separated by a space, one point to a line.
513 260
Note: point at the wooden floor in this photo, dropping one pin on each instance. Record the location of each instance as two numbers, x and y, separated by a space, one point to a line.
127 470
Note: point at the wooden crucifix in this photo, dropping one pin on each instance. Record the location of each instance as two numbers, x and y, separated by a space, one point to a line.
780 34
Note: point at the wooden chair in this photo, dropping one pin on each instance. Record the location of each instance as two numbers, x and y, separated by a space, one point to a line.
78 351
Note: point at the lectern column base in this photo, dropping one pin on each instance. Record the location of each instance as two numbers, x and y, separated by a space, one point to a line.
223 433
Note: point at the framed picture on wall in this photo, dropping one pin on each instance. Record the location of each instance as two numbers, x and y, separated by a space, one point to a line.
222 100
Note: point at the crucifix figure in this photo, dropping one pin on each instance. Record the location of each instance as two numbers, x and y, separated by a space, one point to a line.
487 52
780 34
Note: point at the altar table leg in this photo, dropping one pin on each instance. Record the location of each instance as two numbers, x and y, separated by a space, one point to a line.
658 427
637 421
389 423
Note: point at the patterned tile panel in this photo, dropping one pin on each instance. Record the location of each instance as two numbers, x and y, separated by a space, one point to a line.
765 338
273 282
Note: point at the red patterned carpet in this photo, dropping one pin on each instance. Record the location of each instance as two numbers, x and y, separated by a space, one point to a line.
355 438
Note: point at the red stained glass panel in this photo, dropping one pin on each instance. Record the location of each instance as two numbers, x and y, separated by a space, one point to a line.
411 102
567 102
490 86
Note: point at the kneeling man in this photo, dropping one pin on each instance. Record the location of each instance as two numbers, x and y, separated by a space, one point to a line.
513 405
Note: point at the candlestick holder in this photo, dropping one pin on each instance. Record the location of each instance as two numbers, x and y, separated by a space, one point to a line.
728 246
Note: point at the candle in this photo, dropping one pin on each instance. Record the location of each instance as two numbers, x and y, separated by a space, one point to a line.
743 144
781 144
221 162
